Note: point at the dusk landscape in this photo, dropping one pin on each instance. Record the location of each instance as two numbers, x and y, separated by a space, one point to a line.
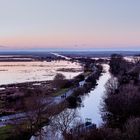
69 70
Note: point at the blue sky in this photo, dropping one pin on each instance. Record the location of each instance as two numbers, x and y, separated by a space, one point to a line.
69 24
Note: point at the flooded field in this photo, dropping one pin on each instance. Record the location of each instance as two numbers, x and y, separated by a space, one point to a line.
18 72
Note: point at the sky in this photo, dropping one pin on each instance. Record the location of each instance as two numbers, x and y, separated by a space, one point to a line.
70 24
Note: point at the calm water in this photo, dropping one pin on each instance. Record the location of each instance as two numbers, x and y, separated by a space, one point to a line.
92 102
18 72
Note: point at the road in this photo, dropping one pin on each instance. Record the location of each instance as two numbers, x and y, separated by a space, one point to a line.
58 55
4 120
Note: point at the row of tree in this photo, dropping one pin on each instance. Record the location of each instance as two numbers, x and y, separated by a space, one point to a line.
121 107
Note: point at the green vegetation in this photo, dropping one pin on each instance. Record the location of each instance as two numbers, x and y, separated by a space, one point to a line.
61 92
87 73
6 132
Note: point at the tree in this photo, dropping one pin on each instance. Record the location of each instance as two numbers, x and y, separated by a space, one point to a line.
136 59
59 76
37 112
117 64
64 121
59 80
111 85
121 105
132 128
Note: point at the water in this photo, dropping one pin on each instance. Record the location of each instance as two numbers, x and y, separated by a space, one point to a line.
92 102
18 72
59 55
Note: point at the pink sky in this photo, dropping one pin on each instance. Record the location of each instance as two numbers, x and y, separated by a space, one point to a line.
65 24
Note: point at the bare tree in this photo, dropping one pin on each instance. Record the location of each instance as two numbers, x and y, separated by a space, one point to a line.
37 112
111 85
64 122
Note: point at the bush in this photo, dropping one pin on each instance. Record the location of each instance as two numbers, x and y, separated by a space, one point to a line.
132 129
72 101
122 105
117 64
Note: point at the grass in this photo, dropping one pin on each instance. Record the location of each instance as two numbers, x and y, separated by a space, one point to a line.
87 73
6 132
61 92
9 132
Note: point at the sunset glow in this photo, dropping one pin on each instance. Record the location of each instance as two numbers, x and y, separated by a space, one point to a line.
66 24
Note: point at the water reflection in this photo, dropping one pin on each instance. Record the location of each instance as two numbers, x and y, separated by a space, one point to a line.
92 102
91 108
18 72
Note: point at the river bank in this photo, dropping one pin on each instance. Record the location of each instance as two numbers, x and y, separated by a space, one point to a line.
92 102
91 108
20 79
92 68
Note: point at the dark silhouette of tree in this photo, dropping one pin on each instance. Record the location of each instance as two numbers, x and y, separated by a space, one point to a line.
117 64
132 129
37 110
59 80
64 121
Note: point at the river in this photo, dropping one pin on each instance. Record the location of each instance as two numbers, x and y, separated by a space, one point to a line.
91 103
44 70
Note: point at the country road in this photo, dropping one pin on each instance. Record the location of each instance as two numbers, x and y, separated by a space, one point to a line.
4 120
